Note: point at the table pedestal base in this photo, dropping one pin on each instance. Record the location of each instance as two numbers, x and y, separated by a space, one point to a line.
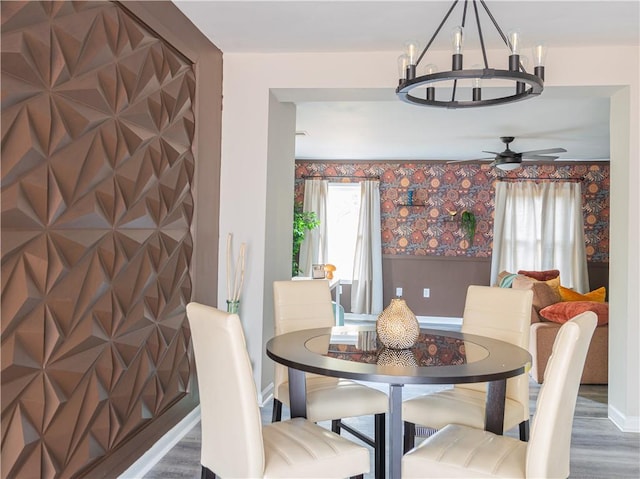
395 430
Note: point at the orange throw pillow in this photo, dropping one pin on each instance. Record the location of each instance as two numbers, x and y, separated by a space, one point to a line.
564 311
597 295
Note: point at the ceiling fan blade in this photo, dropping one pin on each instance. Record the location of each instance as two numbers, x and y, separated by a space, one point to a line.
543 152
492 152
540 158
474 160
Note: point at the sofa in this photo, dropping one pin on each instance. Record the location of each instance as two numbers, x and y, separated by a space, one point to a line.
552 306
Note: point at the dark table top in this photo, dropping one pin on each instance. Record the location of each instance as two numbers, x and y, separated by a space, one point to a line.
439 357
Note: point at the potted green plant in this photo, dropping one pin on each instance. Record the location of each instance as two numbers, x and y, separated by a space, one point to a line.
303 221
468 224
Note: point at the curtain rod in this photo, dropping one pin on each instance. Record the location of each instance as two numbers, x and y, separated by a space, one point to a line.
577 180
311 177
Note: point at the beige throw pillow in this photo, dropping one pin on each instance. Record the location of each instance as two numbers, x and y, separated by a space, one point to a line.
545 293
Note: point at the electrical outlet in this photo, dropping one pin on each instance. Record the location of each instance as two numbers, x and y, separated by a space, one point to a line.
398 292
426 293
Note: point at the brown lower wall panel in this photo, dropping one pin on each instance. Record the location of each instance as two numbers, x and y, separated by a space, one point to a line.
447 278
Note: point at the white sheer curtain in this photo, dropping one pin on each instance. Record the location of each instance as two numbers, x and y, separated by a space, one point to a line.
539 226
366 289
313 249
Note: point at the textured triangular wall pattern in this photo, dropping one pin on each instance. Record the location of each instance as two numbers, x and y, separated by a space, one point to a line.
97 173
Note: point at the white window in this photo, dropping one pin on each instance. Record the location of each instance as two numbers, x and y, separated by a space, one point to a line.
342 226
539 226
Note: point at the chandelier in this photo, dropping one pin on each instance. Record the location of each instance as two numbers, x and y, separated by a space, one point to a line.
421 90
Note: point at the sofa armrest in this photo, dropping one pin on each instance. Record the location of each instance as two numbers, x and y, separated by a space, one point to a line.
596 367
541 338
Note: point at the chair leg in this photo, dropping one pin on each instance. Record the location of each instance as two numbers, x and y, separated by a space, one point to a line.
377 443
207 474
335 426
524 431
380 449
276 414
409 436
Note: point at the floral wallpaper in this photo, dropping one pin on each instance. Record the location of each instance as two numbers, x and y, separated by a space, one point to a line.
428 223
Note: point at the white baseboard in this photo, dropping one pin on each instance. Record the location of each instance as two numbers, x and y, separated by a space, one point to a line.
360 317
623 422
265 395
436 320
150 458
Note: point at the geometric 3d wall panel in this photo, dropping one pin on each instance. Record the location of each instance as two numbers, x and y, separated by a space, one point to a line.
97 205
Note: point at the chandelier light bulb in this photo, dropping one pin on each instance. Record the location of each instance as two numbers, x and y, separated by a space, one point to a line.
539 55
430 69
411 49
477 81
457 40
476 84
539 59
403 64
515 40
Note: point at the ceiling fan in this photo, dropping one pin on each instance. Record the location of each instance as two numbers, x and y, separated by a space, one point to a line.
510 160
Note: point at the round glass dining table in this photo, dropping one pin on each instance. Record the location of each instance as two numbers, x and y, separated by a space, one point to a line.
438 357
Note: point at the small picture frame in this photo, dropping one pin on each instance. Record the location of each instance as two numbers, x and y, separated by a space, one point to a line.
318 271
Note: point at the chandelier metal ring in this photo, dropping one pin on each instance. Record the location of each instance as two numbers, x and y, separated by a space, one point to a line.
406 87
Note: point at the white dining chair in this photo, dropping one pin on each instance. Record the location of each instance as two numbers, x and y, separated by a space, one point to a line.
499 313
463 451
305 305
234 442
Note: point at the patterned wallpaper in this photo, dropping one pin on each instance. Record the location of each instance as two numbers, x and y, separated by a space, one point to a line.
440 189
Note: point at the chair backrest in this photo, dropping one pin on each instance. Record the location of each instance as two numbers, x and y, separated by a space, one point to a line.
300 304
504 314
549 446
232 444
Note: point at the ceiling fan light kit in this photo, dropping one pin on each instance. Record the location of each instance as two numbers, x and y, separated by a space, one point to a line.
508 166
510 160
526 85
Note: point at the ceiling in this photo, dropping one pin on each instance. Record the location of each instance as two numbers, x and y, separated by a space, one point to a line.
575 119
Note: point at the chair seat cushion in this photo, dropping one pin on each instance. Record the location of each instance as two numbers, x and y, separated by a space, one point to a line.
476 454
457 406
332 398
299 449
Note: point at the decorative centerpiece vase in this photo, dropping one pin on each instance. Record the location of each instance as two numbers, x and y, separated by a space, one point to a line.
397 326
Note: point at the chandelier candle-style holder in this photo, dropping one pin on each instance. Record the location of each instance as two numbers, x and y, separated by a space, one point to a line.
397 326
420 88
